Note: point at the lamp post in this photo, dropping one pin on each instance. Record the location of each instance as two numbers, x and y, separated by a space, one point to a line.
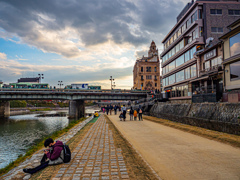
111 79
40 77
60 83
114 85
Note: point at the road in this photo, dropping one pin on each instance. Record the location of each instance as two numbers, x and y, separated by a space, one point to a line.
178 155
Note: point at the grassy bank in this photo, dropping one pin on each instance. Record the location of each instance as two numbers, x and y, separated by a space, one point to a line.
230 139
41 109
38 146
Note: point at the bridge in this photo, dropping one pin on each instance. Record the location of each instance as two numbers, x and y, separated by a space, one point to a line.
76 97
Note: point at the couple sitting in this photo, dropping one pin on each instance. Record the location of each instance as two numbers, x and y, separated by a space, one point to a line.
55 154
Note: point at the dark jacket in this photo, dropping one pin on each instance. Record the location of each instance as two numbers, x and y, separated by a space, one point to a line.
55 155
131 111
139 110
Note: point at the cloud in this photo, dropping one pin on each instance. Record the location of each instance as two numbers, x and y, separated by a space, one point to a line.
73 25
3 56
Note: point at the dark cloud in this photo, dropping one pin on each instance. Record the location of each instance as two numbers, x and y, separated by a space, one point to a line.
95 21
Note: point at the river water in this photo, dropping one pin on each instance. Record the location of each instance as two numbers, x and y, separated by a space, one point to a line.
18 133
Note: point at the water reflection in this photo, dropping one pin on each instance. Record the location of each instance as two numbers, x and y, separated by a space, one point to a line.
18 133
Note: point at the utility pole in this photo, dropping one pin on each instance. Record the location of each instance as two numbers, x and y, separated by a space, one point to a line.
40 77
60 83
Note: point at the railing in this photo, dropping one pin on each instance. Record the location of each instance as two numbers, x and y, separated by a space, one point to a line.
210 70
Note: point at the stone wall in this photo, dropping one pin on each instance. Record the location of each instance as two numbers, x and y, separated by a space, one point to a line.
223 117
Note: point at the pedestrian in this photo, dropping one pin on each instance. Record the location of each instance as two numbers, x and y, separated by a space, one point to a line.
140 111
111 108
107 109
124 111
135 115
131 114
54 154
115 109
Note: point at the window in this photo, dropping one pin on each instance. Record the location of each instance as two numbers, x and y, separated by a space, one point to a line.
181 44
180 60
141 69
233 12
164 82
195 34
142 85
217 29
193 70
172 79
155 69
234 71
141 77
234 43
155 84
187 73
207 65
167 81
200 13
186 55
172 66
188 22
216 61
148 76
148 69
183 28
179 32
215 11
180 76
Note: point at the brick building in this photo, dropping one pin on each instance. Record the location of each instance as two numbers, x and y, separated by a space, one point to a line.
146 71
192 52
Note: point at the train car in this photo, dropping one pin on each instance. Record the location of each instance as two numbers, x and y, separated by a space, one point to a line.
94 87
80 86
26 85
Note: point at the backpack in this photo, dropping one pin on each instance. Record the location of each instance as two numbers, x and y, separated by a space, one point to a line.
140 110
66 153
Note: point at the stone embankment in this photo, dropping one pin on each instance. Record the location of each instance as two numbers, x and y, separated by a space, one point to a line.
223 117
17 172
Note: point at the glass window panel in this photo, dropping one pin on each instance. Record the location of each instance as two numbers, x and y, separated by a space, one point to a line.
193 70
207 64
186 56
181 44
180 76
188 22
234 43
179 60
237 12
213 29
219 11
171 65
220 29
195 16
173 91
167 81
172 79
212 11
177 47
230 12
187 73
234 71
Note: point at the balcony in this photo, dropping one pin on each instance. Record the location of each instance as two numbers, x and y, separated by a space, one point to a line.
155 79
211 70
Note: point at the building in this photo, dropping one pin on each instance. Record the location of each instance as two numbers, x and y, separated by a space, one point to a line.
188 55
146 71
29 80
231 63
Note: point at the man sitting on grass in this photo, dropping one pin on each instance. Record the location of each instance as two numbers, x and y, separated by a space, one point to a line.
54 154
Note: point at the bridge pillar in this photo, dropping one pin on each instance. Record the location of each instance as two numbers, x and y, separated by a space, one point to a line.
76 109
4 108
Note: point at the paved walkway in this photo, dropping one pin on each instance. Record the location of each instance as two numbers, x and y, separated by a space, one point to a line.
95 157
175 154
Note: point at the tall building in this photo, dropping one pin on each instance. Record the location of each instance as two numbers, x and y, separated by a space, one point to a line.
146 71
189 55
231 63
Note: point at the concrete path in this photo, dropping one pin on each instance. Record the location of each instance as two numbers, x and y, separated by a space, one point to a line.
178 155
95 157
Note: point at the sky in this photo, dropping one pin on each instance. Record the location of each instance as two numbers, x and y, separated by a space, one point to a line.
81 41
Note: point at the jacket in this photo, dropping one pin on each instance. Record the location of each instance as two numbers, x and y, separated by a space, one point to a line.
56 154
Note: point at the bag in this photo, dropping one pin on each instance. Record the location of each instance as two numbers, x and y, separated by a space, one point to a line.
66 153
140 110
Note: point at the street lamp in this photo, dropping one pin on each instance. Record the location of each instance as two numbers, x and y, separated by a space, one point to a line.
40 77
114 85
60 83
111 79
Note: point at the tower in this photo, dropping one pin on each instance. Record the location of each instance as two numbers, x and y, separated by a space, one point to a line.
153 51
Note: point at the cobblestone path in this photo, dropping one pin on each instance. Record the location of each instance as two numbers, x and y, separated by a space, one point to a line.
95 157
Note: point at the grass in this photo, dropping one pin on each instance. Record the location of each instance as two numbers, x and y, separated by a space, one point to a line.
233 140
42 109
38 146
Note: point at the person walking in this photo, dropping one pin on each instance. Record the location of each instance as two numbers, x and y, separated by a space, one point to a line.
115 109
107 109
124 111
135 115
140 111
131 114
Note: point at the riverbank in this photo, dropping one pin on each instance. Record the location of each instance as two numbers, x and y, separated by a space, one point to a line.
29 110
32 157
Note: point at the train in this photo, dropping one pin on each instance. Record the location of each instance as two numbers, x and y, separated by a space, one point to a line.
26 85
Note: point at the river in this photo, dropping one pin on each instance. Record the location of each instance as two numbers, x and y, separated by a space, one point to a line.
18 133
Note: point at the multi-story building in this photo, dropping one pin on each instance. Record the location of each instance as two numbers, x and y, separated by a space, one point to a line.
231 63
146 71
200 23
